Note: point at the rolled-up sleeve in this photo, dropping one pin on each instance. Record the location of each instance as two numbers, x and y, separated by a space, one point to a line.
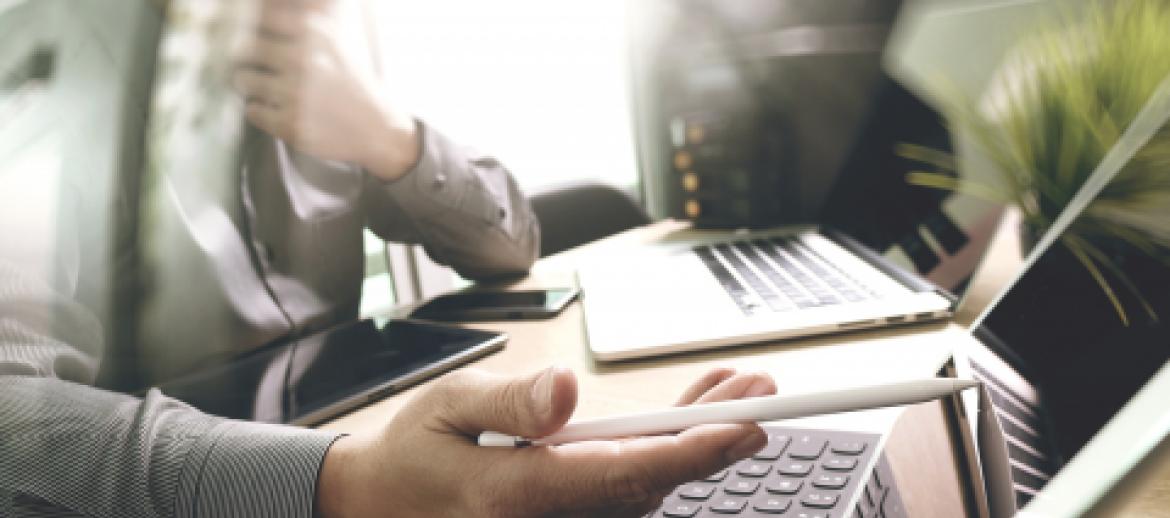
68 449
464 208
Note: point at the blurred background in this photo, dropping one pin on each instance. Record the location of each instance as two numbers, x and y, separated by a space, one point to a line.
475 68
728 113
774 93
725 113
610 114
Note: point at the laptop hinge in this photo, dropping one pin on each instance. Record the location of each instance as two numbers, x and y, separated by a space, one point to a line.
910 280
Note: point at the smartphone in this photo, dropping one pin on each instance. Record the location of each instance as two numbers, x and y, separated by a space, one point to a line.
497 305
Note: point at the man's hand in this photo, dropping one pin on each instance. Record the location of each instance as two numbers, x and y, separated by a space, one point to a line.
304 85
426 463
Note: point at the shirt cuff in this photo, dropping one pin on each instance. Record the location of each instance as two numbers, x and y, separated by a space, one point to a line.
442 179
251 469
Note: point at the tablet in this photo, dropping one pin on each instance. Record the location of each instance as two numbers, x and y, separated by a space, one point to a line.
326 374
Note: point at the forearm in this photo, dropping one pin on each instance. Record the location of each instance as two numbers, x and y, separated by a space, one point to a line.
465 209
396 146
73 448
70 449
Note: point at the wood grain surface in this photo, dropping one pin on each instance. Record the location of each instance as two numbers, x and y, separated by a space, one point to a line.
920 445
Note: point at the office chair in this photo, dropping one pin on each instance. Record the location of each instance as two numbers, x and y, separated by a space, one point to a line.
574 214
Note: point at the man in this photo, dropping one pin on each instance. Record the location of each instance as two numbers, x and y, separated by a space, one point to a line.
274 257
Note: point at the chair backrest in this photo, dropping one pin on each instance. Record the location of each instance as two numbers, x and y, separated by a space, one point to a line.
576 214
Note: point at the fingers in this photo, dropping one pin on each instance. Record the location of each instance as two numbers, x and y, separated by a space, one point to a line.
583 475
266 98
532 406
725 383
270 55
282 38
301 4
752 384
258 86
281 23
709 380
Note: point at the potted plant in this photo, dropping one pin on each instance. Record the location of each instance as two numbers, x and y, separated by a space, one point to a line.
1059 103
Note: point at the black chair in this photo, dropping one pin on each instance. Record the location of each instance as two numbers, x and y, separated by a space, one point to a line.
575 214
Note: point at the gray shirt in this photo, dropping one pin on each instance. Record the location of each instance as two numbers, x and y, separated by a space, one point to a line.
283 259
281 253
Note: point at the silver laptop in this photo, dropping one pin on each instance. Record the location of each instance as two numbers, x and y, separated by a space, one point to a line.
887 253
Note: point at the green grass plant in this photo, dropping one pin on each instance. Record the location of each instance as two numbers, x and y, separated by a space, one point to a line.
1060 102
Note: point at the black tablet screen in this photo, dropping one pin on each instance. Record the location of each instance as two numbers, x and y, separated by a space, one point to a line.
288 382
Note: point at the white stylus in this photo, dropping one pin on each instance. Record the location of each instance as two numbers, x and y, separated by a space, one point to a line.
751 410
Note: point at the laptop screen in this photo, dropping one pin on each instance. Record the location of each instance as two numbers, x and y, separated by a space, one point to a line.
1082 340
938 234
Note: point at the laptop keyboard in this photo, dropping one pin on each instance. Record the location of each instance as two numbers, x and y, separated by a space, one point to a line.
799 474
780 274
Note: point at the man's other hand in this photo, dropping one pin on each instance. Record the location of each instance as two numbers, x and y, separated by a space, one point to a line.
426 462
309 81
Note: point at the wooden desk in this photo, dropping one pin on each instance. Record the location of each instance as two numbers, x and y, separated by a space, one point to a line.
1144 493
919 448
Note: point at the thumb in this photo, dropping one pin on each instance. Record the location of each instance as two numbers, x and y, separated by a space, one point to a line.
531 406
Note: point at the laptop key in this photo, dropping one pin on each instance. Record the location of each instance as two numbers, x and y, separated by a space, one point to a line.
833 279
784 486
830 481
681 510
790 291
848 448
774 449
696 491
754 469
777 303
729 506
742 487
852 296
717 477
802 278
807 447
840 464
824 279
794 469
734 288
819 500
771 504
825 296
753 280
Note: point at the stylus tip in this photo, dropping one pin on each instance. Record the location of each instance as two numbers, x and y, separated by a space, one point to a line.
499 440
964 384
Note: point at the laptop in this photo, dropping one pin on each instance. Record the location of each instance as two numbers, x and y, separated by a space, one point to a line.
886 252
1073 398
